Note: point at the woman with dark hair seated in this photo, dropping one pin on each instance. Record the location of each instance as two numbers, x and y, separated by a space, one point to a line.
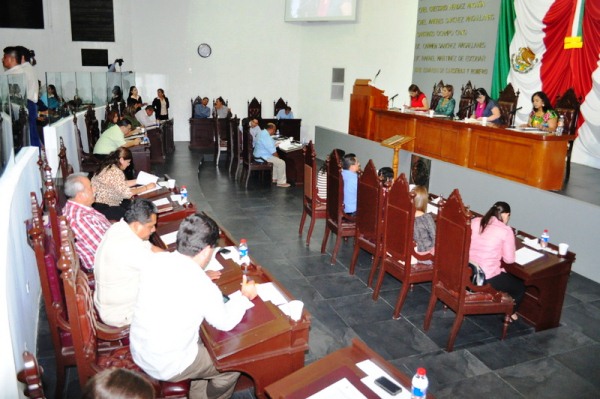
322 174
418 101
113 191
542 116
486 107
493 241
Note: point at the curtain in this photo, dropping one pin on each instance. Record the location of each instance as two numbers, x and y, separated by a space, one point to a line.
506 31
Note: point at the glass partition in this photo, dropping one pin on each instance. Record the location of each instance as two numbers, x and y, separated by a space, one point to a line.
83 91
69 86
99 88
6 137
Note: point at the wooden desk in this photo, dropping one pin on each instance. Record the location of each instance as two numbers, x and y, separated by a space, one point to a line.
202 133
168 141
322 373
286 127
267 345
533 159
294 165
157 154
546 284
178 213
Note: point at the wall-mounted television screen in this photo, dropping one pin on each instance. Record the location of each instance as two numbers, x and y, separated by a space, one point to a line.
320 10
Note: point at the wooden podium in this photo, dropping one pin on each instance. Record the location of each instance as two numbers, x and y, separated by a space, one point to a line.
395 143
363 98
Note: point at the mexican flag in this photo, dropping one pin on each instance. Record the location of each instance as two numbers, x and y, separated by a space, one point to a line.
551 46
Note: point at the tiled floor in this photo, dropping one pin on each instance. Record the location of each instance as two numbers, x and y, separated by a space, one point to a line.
551 364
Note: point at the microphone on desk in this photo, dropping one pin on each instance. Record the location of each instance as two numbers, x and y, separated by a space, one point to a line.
394 96
377 74
514 111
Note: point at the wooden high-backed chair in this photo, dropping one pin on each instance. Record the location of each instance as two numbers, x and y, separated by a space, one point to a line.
252 164
568 105
400 258
337 221
84 326
507 103
254 109
222 143
278 105
467 101
312 204
369 218
235 158
452 276
87 162
63 163
436 94
193 102
31 376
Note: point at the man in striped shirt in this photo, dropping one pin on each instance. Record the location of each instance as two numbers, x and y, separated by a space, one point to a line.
88 225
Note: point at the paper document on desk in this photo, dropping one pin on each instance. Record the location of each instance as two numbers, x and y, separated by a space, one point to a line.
214 264
532 242
161 202
339 389
247 303
169 238
526 255
144 178
287 145
268 292
432 209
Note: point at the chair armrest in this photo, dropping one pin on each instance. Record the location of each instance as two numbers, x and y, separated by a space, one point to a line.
59 317
109 333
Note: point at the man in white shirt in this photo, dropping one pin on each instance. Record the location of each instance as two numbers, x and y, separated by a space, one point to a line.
146 116
175 297
120 257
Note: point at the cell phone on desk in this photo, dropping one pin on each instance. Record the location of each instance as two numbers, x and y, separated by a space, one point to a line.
224 251
388 385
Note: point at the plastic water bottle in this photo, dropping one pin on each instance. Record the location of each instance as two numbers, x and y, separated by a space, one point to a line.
560 127
184 195
243 251
146 140
419 384
544 239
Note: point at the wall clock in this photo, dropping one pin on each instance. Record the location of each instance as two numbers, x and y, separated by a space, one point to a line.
204 50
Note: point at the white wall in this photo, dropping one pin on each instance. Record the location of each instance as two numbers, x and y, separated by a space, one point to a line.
19 281
255 53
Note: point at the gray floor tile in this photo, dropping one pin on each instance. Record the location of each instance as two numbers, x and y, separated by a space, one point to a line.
584 362
488 386
338 285
584 318
361 309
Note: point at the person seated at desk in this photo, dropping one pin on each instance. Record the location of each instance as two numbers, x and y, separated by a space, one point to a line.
446 104
51 98
254 130
386 175
146 116
161 105
113 191
134 99
129 114
285 113
418 101
202 110
164 333
350 169
322 175
265 148
542 116
113 138
112 118
221 110
424 228
493 241
120 257
486 107
88 225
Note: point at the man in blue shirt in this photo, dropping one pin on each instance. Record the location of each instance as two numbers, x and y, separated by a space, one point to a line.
351 166
265 148
202 110
285 113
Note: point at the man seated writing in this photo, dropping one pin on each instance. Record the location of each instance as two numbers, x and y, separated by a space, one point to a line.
88 225
285 113
175 297
120 258
350 166
146 116
265 148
